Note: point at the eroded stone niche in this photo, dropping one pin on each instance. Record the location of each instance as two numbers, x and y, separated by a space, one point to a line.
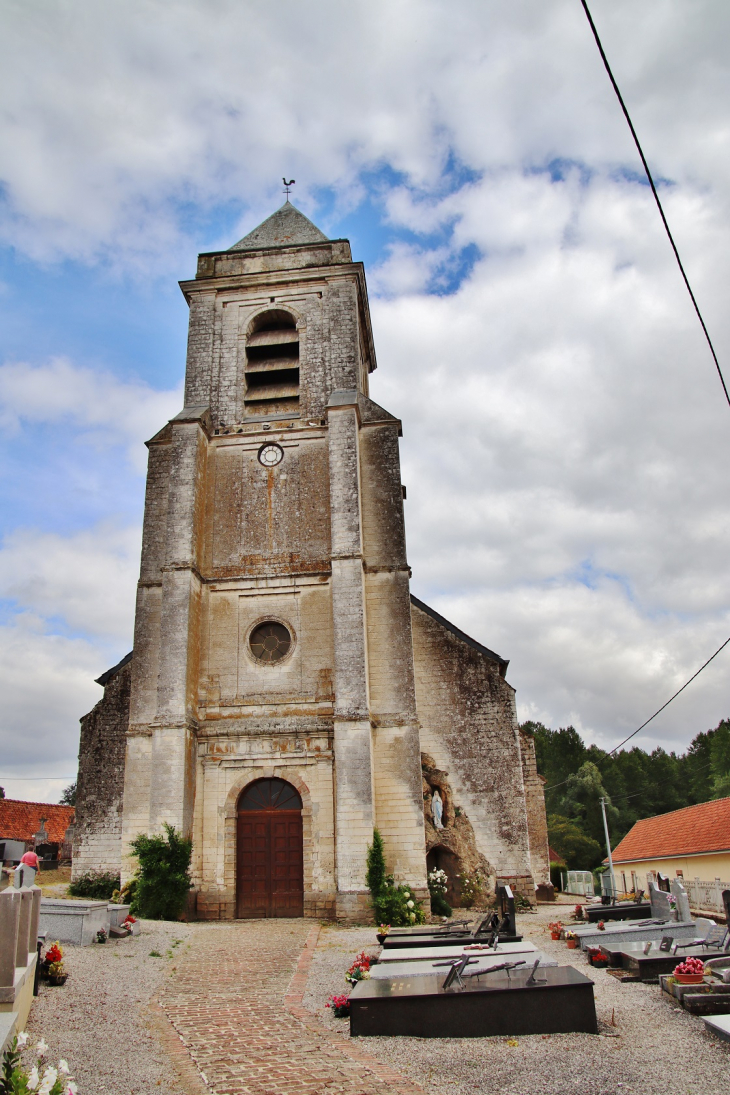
452 849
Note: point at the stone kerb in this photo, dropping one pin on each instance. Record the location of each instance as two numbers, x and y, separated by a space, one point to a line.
18 956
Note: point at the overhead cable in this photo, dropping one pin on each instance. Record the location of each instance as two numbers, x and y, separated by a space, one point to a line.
658 712
656 198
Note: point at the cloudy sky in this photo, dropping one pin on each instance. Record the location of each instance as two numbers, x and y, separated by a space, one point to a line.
566 441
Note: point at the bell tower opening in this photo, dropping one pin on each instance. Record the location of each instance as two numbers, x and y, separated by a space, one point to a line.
272 364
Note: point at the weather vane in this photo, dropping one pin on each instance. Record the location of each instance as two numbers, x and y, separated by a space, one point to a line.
287 185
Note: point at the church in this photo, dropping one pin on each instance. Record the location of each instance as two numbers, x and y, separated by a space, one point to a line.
287 693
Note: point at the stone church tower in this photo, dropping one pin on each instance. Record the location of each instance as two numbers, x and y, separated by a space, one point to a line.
287 694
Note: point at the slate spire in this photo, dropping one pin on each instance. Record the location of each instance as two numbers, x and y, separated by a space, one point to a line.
284 227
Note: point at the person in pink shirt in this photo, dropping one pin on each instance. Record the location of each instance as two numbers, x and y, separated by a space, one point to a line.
31 860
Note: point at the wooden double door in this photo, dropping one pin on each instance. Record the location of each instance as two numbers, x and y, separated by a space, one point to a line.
269 851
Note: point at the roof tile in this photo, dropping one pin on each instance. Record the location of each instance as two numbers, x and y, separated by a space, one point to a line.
690 831
21 820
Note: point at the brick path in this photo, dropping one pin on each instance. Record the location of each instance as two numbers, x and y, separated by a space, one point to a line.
235 1002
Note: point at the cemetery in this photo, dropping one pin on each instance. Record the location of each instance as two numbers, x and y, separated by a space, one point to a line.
462 1009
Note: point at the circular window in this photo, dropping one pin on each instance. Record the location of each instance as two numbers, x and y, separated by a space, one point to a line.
270 455
270 642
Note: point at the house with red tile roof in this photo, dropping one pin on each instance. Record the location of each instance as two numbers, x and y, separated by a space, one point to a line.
22 821
691 843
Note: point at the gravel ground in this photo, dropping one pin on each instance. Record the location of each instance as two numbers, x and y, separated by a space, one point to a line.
652 1048
96 1021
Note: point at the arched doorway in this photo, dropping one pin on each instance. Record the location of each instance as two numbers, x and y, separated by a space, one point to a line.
269 852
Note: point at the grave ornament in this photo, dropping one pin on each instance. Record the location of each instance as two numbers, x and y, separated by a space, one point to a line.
437 810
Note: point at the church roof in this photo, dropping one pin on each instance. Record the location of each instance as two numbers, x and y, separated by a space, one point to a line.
459 634
283 228
106 677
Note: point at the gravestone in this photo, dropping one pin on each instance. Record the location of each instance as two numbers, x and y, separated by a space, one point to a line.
726 904
660 908
683 912
506 908
662 881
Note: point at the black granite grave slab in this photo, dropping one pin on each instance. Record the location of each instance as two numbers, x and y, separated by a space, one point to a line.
625 910
424 940
495 1004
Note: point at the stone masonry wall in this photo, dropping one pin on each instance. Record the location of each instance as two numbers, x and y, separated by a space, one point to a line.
469 726
98 837
536 816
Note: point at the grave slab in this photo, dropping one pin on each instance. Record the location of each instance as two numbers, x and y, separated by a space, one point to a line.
719 1025
432 954
624 910
427 968
497 1004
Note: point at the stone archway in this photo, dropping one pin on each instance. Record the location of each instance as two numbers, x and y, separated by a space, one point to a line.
269 850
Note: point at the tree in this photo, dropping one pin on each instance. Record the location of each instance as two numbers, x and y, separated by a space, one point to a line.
580 852
68 796
720 760
375 876
583 793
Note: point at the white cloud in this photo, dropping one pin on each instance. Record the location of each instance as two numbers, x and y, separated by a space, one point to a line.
47 684
565 436
117 115
104 410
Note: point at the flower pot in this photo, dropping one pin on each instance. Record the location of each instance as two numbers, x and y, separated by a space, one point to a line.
689 978
572 944
555 935
57 978
341 1013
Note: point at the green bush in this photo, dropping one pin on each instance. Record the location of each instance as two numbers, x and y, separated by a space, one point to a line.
99 886
163 878
392 904
439 905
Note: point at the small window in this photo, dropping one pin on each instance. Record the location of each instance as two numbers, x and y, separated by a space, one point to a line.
270 642
272 364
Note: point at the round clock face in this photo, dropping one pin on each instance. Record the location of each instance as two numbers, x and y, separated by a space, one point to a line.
270 455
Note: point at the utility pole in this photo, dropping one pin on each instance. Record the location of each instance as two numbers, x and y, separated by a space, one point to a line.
608 846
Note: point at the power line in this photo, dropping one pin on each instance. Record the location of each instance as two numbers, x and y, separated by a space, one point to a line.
658 712
656 197
671 698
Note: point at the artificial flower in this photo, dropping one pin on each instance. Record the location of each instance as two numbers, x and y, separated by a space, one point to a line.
71 1089
63 1067
23 1038
42 1047
33 1079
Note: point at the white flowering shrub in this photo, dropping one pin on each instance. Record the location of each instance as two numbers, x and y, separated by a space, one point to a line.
42 1079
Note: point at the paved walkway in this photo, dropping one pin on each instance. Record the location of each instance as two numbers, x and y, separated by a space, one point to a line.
235 1002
